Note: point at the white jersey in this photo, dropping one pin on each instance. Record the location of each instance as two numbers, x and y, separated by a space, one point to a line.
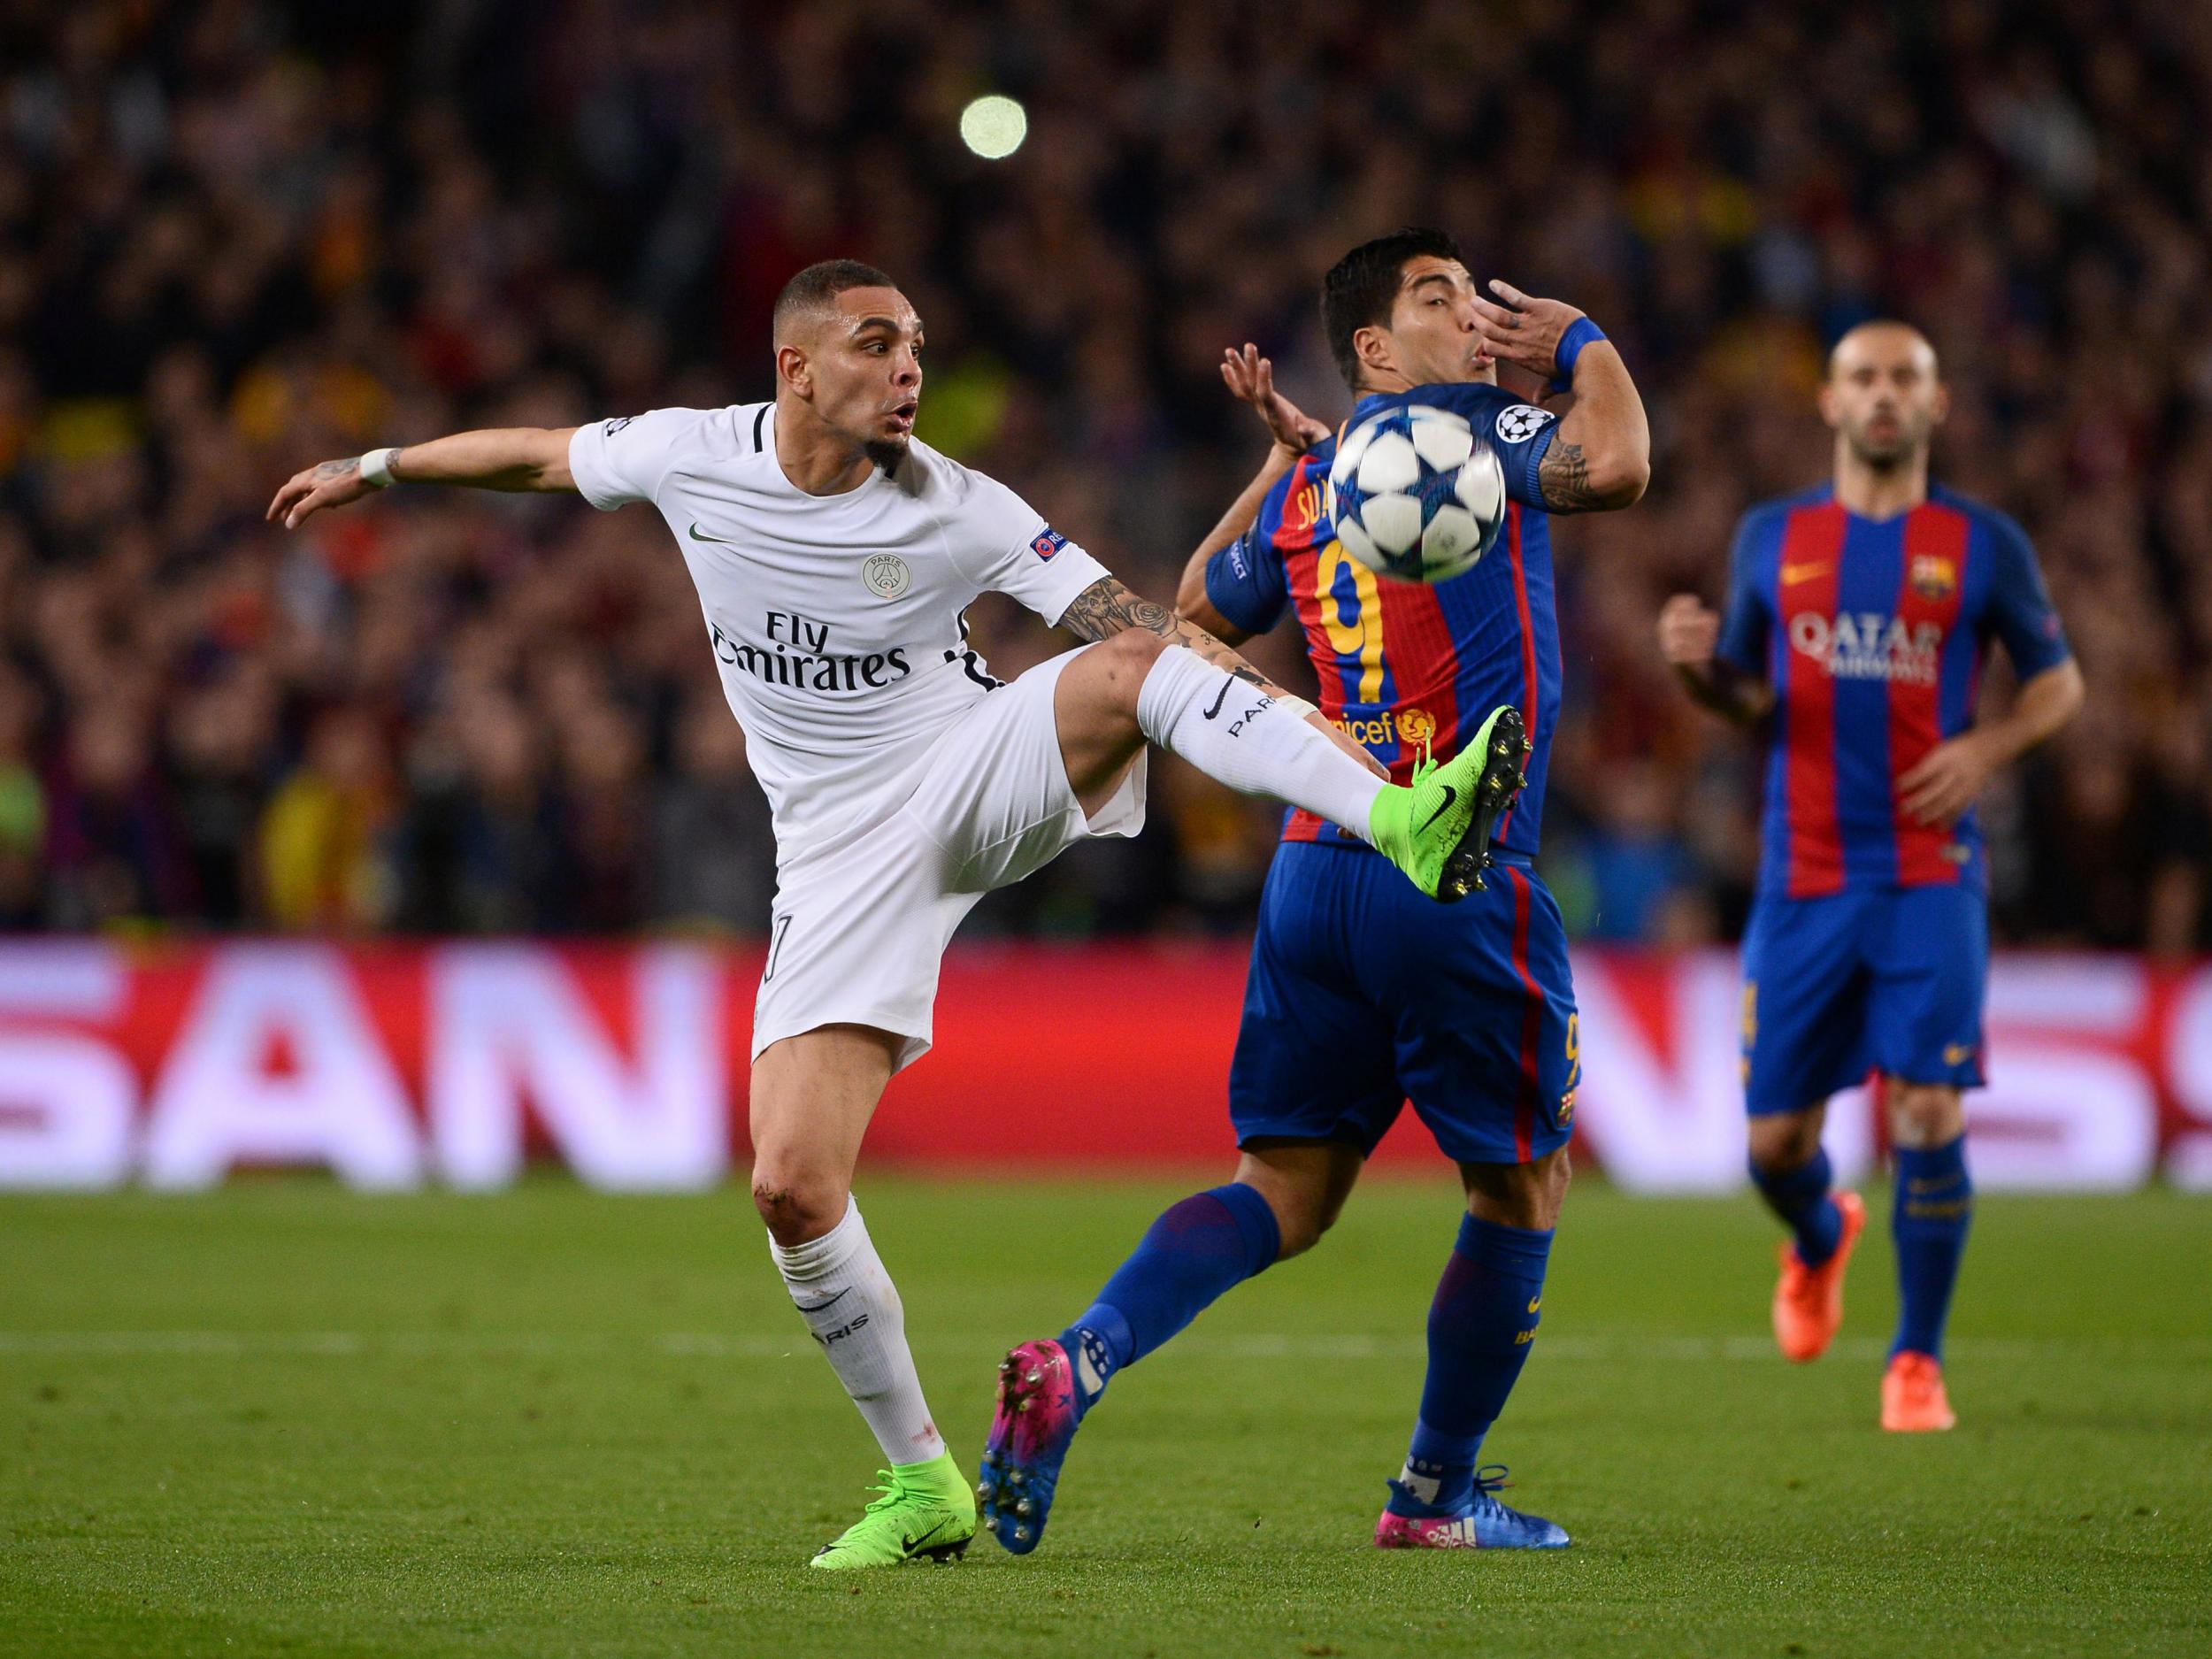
836 620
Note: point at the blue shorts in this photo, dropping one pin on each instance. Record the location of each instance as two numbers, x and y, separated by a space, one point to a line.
1870 978
1366 993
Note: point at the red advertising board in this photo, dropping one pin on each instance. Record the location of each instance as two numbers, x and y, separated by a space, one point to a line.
395 1064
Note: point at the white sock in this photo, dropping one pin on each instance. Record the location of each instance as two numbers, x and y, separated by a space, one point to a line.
839 1286
1227 728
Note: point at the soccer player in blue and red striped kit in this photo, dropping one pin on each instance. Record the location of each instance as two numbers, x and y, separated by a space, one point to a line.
1858 616
1358 1001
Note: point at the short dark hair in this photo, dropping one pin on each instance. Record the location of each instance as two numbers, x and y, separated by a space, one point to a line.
819 284
1361 287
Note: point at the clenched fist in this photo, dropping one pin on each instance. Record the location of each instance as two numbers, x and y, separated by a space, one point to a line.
1689 632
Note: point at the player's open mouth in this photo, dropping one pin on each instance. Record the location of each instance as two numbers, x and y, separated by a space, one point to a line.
901 415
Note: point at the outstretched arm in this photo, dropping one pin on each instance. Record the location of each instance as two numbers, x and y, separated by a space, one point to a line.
508 458
1250 379
1600 459
1190 596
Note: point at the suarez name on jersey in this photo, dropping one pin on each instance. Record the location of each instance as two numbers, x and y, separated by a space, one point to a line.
1402 663
1872 633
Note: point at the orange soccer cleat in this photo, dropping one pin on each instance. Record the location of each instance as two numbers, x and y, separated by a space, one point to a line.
1913 1400
1809 1301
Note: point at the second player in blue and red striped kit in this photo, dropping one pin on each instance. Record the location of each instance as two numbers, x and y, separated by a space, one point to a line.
1858 617
1359 1000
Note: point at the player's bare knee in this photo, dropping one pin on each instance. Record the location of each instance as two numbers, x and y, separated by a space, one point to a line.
1528 1195
1299 1227
1783 1141
1925 1114
1547 1189
795 1205
1302 1213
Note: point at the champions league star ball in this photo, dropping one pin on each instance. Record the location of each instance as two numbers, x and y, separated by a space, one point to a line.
1412 495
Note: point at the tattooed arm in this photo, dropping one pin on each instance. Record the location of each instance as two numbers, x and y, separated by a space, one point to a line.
508 458
1600 459
1106 608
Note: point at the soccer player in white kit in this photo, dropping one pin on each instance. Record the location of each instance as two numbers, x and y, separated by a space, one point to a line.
834 558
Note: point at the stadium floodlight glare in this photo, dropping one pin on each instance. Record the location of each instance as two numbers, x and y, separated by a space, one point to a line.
994 126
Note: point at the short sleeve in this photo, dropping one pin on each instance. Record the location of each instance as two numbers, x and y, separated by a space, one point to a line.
1245 580
1005 546
618 461
2020 610
1743 627
1519 433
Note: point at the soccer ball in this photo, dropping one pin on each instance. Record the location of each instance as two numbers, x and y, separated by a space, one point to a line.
1412 495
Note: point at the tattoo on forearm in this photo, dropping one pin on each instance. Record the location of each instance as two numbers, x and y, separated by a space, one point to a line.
1106 608
1563 475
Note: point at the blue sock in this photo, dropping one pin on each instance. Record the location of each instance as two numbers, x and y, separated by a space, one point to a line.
1193 1252
1932 1210
1481 1324
1803 1197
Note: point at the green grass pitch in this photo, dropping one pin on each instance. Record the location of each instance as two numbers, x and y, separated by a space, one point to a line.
286 1419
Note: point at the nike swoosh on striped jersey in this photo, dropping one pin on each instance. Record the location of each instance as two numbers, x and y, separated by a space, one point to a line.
1804 573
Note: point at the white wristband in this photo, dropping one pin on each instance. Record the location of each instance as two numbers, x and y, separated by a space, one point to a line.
1298 706
376 467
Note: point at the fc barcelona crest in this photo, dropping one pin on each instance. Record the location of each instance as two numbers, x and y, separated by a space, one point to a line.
1933 577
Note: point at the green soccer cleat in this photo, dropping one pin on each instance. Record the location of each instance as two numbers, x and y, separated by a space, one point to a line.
1437 828
926 1513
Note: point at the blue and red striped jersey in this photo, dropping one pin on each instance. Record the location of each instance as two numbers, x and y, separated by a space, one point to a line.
1872 633
1401 662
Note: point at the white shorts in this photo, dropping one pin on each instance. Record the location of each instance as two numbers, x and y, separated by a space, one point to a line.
856 937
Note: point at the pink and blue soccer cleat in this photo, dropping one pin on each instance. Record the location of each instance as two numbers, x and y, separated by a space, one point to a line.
1031 1431
1481 1523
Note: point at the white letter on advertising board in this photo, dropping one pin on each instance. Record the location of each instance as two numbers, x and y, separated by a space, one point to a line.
336 1101
2189 1063
2061 1110
507 1018
66 1108
66 1100
1655 1128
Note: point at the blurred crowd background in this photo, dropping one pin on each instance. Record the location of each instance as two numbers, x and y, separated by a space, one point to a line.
237 237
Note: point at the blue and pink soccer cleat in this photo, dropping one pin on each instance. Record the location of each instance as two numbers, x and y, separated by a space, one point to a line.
1481 1523
1031 1431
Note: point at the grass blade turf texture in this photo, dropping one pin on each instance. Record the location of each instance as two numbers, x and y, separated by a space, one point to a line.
282 1417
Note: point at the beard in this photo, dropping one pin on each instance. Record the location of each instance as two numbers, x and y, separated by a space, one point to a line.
1887 454
887 453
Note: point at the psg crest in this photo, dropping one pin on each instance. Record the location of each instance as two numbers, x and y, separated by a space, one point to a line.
886 575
